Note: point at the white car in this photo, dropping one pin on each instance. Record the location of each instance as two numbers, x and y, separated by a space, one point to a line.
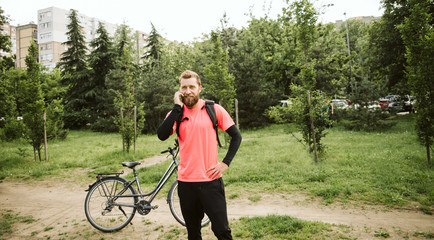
340 104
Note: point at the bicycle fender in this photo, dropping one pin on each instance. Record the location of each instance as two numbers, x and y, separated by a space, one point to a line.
99 179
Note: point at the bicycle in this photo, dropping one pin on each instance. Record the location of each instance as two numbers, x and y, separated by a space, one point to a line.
112 201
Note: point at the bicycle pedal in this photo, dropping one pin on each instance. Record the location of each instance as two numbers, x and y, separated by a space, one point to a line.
155 207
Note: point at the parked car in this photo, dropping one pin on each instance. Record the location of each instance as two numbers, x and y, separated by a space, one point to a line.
384 102
285 103
340 103
373 105
392 102
396 103
409 102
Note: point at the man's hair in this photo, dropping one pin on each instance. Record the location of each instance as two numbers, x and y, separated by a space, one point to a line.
187 74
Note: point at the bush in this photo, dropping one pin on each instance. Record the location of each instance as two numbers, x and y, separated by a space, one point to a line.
363 119
13 129
105 125
279 114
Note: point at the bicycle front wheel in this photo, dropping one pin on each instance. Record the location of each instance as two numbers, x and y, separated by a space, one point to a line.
175 206
105 208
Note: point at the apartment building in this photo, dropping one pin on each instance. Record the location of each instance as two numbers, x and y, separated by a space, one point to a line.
52 25
25 35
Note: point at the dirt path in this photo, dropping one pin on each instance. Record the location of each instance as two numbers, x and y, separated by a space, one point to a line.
58 211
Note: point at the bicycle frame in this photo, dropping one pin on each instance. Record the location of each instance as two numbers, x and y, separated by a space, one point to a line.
169 172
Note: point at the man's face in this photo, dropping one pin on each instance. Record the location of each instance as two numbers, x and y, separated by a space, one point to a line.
190 92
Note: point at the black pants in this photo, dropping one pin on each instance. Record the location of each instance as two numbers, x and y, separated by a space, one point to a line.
198 198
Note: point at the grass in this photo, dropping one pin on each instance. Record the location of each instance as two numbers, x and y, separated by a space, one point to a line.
386 167
98 152
284 227
379 168
8 218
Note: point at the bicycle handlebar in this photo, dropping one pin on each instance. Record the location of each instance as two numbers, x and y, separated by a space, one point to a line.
170 150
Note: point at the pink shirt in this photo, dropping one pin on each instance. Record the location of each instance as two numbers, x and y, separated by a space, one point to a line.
198 142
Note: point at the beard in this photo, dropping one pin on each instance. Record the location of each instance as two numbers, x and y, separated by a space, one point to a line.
190 100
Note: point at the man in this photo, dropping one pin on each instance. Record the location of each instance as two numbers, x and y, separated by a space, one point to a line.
200 184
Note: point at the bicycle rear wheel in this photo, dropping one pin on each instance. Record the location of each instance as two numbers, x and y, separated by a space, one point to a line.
175 207
103 209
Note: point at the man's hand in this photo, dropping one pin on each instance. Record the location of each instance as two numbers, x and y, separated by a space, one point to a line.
217 170
177 98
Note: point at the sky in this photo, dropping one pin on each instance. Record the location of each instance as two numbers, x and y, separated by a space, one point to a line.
183 20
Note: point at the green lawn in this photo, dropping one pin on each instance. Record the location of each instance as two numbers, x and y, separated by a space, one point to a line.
379 168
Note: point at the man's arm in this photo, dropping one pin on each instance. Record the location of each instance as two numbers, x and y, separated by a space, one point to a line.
166 127
233 145
220 168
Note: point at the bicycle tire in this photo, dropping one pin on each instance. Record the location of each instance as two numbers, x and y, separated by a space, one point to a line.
175 207
98 209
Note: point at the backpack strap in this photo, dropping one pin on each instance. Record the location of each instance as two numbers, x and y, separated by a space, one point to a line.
209 106
179 120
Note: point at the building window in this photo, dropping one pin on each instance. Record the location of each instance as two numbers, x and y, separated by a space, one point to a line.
45 36
44 15
44 25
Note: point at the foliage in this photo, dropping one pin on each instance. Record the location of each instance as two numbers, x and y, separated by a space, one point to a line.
124 100
218 82
55 124
362 117
279 114
388 60
5 45
101 61
154 48
75 75
254 71
33 102
418 36
320 111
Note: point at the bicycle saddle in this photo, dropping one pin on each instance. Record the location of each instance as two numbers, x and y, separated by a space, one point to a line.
130 164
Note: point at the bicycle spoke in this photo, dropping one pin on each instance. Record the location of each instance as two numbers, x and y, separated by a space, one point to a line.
104 208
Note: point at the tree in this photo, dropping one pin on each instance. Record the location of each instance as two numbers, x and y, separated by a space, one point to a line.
5 44
121 84
75 75
257 72
10 81
53 94
154 48
219 83
418 36
33 102
102 59
388 62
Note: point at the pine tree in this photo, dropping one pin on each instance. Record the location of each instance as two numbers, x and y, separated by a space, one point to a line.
219 82
33 102
154 48
75 75
101 61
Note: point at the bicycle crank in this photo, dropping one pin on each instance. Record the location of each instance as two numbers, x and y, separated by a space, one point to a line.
144 207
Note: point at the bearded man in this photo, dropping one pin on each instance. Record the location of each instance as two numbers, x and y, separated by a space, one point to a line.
200 183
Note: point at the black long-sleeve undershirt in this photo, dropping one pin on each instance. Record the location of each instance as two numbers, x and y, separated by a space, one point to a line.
166 127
